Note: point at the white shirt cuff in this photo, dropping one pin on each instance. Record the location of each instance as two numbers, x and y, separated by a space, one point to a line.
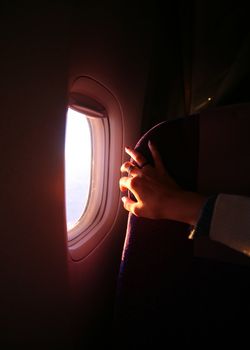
231 222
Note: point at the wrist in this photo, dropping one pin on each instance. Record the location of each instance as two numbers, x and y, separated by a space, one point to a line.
187 207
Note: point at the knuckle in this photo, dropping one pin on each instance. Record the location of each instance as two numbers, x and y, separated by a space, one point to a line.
124 166
122 183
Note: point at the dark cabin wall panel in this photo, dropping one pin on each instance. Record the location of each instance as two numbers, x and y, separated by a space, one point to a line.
164 99
33 252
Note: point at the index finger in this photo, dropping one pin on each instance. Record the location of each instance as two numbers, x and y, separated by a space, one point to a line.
137 156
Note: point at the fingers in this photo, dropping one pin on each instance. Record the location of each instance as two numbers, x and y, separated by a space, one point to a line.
141 160
124 183
128 203
127 184
137 156
156 156
130 168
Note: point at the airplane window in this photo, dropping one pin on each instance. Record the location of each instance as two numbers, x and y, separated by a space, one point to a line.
93 154
78 159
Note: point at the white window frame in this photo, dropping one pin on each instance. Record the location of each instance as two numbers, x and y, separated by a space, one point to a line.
102 109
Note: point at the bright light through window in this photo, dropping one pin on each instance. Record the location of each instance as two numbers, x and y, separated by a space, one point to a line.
78 159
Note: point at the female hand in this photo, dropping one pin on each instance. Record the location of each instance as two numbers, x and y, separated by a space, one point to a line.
157 195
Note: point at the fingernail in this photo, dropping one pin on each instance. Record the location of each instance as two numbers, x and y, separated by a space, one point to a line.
123 199
126 147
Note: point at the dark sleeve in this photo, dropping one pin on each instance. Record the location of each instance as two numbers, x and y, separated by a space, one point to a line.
202 227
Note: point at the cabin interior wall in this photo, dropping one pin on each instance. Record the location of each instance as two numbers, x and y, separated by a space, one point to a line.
45 46
34 82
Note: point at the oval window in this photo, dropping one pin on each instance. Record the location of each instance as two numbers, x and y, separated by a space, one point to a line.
93 154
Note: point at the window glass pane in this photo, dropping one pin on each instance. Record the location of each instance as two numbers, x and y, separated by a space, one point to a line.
78 159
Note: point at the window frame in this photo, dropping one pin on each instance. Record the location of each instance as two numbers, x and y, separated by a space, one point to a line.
101 107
